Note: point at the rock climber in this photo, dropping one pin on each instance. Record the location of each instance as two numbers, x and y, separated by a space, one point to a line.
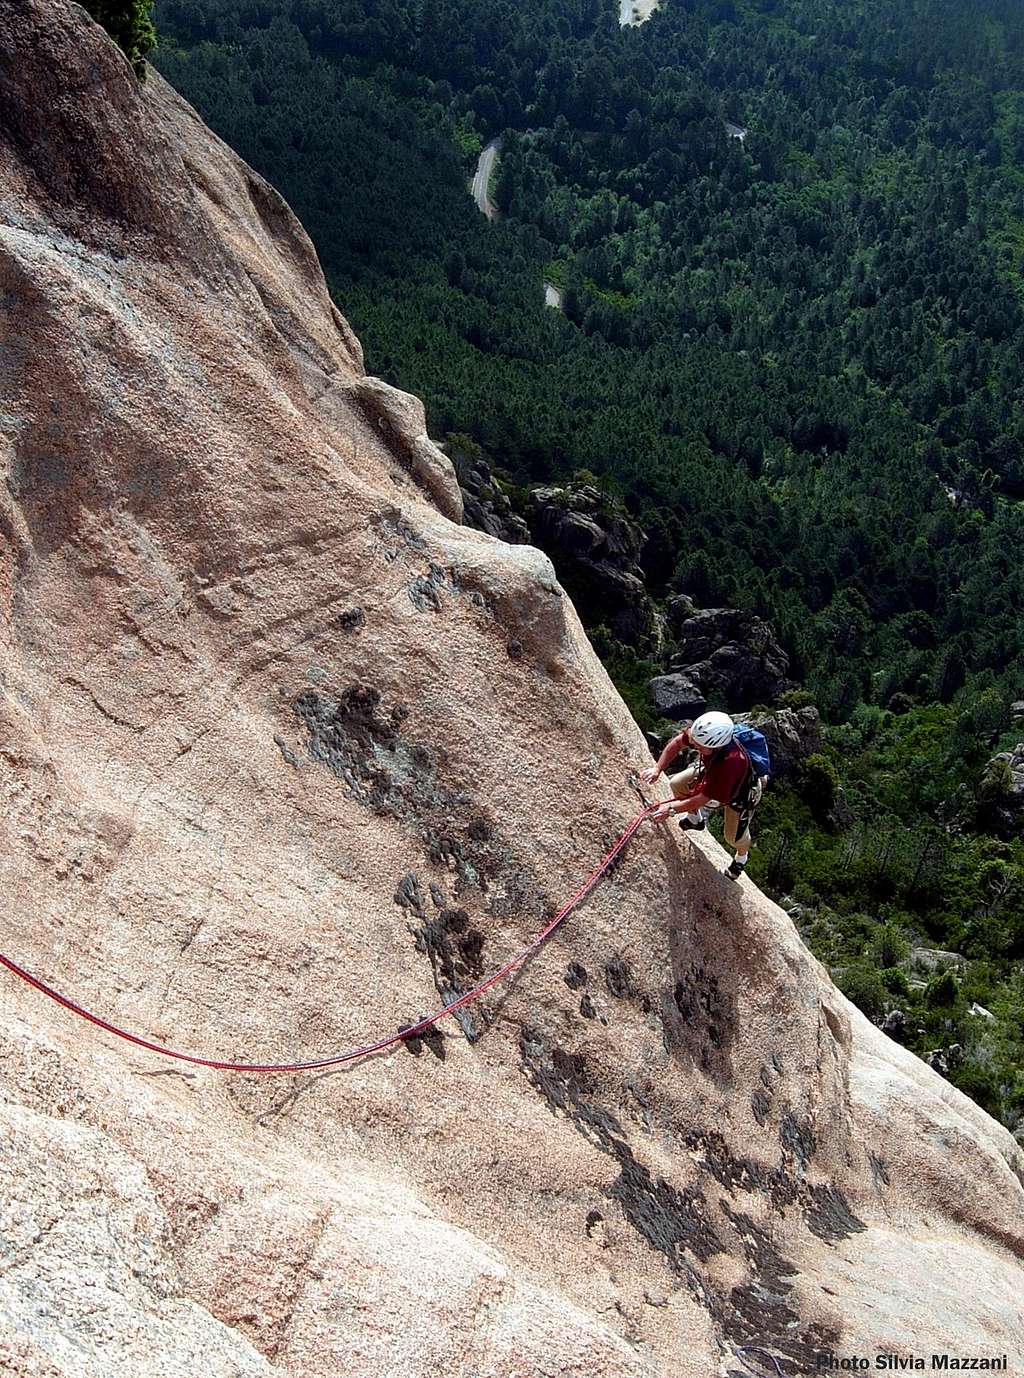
723 774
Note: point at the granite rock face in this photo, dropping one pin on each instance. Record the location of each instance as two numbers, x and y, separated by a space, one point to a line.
282 752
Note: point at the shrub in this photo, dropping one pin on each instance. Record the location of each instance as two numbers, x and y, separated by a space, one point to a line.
943 991
888 946
795 698
895 982
863 985
819 782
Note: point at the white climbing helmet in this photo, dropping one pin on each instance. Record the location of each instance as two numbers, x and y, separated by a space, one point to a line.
712 730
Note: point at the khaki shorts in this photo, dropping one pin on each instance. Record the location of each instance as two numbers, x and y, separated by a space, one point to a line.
737 821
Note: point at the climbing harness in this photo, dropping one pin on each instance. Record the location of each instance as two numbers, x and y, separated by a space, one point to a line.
401 1036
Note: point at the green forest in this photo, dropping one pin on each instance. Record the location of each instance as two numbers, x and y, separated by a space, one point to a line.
794 356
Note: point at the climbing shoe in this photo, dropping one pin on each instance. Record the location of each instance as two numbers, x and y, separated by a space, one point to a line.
735 869
688 826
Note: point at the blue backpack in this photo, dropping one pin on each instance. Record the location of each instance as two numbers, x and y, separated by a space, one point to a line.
756 749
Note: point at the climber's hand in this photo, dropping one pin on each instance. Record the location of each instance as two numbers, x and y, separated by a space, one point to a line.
649 775
662 812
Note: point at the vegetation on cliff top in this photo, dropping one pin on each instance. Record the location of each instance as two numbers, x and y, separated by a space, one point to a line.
130 25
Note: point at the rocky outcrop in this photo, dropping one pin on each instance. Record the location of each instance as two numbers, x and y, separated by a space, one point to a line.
595 548
732 655
401 420
486 507
281 756
1014 775
792 735
1002 791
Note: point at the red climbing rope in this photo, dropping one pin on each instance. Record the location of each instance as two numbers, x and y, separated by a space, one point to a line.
381 1043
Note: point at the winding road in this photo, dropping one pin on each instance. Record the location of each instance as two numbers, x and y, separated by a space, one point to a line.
482 179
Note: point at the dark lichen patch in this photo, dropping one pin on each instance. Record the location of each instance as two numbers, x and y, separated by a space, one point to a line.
750 1302
766 1263
479 828
618 979
572 1069
362 747
455 949
575 976
384 769
797 1139
829 1216
408 896
593 1218
286 751
760 1312
430 1037
741 1174
587 1007
561 1079
879 1170
446 848
678 1223
424 593
671 1221
369 750
351 619
694 1017
760 1103
758 1316
391 524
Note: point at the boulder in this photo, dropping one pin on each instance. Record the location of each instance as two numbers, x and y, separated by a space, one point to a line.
1012 794
677 609
935 958
677 696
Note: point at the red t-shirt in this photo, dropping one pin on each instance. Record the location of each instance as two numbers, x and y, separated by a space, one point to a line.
721 776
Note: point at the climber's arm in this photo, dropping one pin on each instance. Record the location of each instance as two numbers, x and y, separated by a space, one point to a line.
678 743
